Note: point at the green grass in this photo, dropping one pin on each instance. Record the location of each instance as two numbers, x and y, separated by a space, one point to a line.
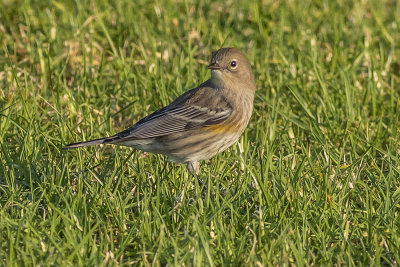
315 179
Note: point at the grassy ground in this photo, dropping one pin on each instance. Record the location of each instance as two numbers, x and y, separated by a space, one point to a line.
314 180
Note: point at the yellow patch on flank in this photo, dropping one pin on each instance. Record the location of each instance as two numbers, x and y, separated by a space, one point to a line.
223 128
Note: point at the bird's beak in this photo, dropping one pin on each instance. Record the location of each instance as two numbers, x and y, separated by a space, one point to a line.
214 66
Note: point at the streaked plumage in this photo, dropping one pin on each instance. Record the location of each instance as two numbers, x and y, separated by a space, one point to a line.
200 123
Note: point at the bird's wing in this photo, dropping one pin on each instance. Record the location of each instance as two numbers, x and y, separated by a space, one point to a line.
179 117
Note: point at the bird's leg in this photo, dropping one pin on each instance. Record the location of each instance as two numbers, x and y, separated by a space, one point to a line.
194 168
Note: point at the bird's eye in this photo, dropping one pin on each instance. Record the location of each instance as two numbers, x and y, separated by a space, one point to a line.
233 64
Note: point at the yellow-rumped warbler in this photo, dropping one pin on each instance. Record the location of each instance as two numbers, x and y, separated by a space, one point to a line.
200 123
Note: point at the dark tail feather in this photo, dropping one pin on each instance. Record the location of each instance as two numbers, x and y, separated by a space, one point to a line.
91 142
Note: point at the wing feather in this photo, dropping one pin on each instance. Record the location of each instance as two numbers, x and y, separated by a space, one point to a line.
174 120
189 111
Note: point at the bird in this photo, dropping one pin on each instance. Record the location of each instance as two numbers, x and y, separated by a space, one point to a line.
201 122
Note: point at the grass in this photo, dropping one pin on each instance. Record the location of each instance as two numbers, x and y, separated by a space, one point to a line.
313 181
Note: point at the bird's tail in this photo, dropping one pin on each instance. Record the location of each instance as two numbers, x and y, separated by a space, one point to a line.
91 142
